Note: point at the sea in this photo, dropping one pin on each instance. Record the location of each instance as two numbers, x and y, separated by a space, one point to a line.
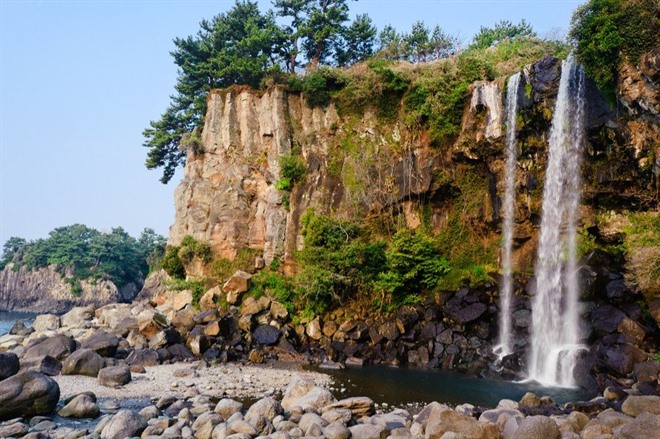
8 318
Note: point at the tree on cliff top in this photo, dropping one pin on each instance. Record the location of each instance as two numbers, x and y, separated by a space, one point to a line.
237 47
607 33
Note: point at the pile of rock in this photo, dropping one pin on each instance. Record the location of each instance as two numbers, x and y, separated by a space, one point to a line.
308 410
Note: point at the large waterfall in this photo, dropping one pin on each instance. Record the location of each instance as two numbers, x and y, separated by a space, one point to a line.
555 337
505 340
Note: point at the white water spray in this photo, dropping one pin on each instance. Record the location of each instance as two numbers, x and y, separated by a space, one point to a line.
505 340
555 336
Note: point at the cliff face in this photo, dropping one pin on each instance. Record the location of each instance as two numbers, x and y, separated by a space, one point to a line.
365 167
44 291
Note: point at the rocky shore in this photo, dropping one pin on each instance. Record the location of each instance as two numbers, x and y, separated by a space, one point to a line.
89 364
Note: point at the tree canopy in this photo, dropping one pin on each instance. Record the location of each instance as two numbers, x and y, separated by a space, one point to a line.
80 252
609 32
488 36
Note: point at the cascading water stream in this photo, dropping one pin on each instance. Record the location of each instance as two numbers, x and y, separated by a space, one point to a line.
505 340
555 336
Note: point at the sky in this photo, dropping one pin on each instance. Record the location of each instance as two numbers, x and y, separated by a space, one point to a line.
81 79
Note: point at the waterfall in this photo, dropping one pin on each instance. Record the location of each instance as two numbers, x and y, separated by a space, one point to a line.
555 336
505 341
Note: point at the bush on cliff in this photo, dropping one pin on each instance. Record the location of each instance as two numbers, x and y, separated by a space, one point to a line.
607 33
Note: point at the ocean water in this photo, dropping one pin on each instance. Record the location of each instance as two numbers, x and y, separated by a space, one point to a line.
8 318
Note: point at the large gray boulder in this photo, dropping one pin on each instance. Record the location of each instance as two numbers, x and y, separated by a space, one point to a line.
9 365
28 394
78 317
58 346
126 423
81 406
103 343
83 362
115 376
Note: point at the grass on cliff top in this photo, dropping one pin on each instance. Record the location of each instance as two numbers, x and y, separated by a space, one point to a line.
425 96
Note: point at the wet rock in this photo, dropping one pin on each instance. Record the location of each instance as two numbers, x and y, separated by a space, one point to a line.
522 318
606 319
81 406
83 362
28 394
9 365
620 359
617 291
470 312
115 376
126 423
632 329
266 335
58 346
634 405
537 427
103 343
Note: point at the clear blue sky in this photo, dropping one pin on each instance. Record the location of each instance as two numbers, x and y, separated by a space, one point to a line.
80 80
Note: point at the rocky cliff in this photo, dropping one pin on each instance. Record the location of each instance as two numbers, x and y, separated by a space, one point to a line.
361 165
44 290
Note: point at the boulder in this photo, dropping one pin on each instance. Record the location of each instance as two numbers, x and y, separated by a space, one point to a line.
125 424
359 406
266 407
204 425
19 328
180 299
81 406
164 338
228 407
151 322
645 426
13 429
537 427
469 313
303 392
368 431
115 376
236 285
451 421
266 335
103 343
389 330
83 362
9 365
634 405
46 322
77 317
337 430
632 329
313 329
647 371
28 394
143 357
58 346
47 365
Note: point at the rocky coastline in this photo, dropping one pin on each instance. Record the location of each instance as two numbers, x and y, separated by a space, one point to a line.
195 370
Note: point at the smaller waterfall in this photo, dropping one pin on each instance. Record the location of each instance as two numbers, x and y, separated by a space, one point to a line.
505 340
555 336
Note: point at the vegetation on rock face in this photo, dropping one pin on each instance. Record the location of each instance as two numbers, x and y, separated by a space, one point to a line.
79 252
608 33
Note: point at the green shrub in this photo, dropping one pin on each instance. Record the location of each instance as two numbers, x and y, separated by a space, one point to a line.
191 248
609 32
315 89
172 264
